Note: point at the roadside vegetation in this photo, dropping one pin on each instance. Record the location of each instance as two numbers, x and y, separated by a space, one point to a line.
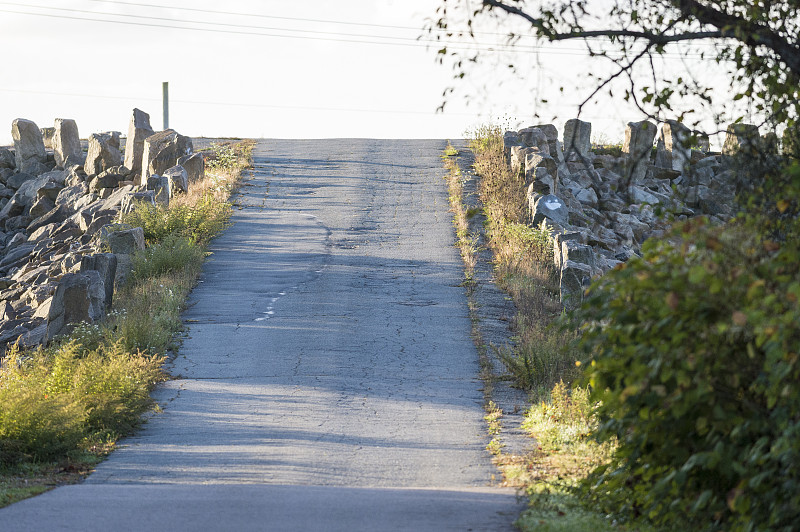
669 400
63 407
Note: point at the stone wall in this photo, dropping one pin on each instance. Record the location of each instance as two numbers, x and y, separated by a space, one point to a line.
62 252
601 207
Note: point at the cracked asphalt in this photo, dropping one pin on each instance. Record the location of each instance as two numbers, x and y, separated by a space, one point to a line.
327 380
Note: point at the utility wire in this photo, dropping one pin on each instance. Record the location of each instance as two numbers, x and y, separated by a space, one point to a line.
356 38
352 37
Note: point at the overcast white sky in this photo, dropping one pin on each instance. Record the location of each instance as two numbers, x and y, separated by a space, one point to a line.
313 69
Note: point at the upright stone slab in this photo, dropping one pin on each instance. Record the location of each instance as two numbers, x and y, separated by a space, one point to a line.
741 138
138 130
551 133
178 180
195 166
639 138
106 265
79 297
47 137
67 143
674 150
577 138
162 151
103 153
28 144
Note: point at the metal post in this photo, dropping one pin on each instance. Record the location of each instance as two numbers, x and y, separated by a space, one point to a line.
165 88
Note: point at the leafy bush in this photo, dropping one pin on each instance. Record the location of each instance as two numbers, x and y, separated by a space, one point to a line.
198 222
692 352
53 401
173 253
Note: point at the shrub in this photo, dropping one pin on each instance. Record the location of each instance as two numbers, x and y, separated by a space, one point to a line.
198 222
173 253
692 351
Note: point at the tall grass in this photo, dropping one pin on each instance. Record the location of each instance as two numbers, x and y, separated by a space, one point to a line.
524 267
69 402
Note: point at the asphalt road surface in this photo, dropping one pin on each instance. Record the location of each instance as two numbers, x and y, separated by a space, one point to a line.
328 380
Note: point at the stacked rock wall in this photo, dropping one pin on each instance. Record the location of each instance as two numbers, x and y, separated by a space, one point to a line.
602 207
58 212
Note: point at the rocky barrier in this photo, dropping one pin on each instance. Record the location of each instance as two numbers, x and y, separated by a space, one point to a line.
62 250
601 206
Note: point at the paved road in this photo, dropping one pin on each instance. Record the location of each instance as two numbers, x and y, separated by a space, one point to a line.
328 381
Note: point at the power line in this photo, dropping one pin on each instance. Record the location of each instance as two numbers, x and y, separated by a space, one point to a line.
258 15
352 37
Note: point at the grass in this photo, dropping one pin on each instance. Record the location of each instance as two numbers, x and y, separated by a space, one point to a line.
524 267
63 407
560 419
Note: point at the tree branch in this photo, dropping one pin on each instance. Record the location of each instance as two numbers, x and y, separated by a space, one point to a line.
749 32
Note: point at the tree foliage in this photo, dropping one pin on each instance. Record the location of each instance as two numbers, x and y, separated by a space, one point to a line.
758 42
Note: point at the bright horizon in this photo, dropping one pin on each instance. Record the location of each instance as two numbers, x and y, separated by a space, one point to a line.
270 69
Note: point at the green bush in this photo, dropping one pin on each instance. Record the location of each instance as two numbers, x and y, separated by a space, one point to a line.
54 401
692 352
199 223
173 253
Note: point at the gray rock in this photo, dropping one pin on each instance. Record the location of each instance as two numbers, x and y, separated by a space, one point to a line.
67 143
16 180
575 277
21 252
132 199
178 180
536 161
28 143
163 150
106 265
551 209
639 137
195 166
572 250
161 186
138 130
103 153
577 138
78 298
57 215
47 136
741 137
676 140
109 178
122 238
7 159
41 206
14 207
533 137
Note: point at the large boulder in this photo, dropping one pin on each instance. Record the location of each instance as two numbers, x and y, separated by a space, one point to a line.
178 180
577 138
106 265
28 143
550 209
162 151
138 130
67 143
7 159
639 138
103 153
195 166
79 297
674 149
122 239
741 138
162 188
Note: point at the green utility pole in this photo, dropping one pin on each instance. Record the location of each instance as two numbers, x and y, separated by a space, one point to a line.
165 90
